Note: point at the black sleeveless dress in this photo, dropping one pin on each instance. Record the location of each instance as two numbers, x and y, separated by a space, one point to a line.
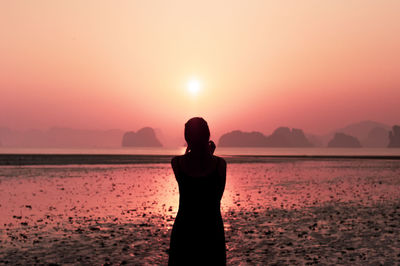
197 236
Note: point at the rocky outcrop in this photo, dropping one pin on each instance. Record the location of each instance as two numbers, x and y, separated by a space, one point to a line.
394 137
284 137
377 138
145 137
239 138
362 129
281 137
341 140
60 137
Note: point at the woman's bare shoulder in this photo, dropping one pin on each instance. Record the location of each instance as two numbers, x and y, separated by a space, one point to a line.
175 160
175 164
220 162
220 159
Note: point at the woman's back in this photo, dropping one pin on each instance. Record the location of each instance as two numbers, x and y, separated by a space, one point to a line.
202 189
198 233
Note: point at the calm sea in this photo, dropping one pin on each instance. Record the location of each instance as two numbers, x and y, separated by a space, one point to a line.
219 151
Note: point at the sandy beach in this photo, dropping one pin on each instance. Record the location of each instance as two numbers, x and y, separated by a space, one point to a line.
339 211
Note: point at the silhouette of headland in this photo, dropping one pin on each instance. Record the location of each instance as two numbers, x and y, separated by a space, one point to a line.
394 137
377 138
369 133
60 137
145 137
281 137
341 140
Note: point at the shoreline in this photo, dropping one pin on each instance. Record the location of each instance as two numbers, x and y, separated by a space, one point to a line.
112 159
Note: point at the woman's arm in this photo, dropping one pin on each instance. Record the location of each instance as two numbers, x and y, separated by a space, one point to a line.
222 176
175 165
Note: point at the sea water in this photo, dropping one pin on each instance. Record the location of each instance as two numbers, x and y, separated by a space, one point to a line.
222 151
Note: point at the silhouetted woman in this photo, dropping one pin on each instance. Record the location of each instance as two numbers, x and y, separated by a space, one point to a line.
198 233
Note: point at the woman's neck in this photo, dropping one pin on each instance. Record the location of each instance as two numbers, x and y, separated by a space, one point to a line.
200 152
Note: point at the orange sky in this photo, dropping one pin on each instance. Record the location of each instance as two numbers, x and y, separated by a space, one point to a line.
316 65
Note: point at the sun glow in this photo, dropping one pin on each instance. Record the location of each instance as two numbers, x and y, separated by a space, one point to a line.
193 86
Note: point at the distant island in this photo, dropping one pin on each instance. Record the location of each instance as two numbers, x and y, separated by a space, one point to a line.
281 137
368 134
284 137
377 138
341 140
239 138
60 137
394 137
145 137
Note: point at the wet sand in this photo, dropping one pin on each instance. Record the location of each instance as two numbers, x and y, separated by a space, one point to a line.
278 212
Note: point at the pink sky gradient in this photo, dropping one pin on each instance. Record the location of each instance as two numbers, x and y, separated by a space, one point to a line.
316 65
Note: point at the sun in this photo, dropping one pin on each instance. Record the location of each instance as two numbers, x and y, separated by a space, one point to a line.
193 86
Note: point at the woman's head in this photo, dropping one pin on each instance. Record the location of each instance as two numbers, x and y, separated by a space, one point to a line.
197 133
